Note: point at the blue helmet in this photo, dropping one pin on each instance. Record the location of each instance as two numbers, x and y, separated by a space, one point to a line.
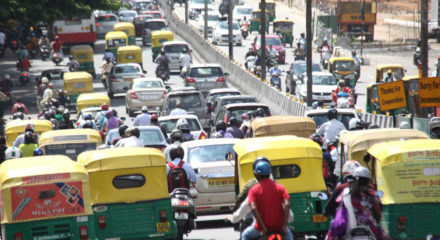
262 168
38 152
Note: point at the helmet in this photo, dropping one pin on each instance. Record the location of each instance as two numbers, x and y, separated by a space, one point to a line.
389 71
88 116
362 172
315 105
121 130
176 135
220 125
145 109
244 117
66 115
60 110
28 137
332 114
262 168
54 123
181 121
88 124
341 83
50 85
162 52
38 152
404 125
184 127
233 121
56 37
319 140
108 59
18 115
353 52
434 126
108 114
259 112
349 168
184 50
70 57
303 35
7 76
12 152
135 132
176 151
353 123
29 127
104 106
154 116
44 80
259 159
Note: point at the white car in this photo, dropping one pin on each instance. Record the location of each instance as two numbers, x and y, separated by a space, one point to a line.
241 11
213 18
324 84
173 50
344 115
170 123
220 35
197 6
214 191
127 15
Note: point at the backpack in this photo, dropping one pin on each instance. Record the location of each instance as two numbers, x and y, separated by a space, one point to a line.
177 177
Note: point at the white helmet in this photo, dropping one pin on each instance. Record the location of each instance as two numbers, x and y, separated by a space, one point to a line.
433 124
181 121
44 80
349 168
12 152
7 76
352 124
404 125
362 172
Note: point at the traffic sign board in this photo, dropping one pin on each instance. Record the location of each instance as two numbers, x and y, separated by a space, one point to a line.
429 92
391 95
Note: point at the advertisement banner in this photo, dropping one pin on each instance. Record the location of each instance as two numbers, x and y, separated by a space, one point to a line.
429 92
391 95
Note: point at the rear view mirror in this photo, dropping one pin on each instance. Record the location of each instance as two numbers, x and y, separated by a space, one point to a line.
288 72
123 118
167 87
229 156
46 194
145 71
367 158
227 74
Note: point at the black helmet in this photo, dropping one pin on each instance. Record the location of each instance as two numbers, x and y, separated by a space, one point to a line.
176 136
107 59
233 121
122 129
29 137
18 115
185 51
88 124
162 52
20 109
66 115
353 52
332 114
135 132
70 57
176 151
184 127
434 125
259 112
220 125
259 159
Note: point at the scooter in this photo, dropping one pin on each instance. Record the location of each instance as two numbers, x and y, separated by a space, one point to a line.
45 52
343 100
325 56
24 78
244 31
275 80
162 72
184 211
56 58
184 71
250 63
13 45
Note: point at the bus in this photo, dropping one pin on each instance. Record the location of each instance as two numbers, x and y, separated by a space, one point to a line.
76 30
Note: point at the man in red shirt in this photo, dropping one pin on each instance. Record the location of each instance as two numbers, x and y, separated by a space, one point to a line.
341 88
270 204
57 46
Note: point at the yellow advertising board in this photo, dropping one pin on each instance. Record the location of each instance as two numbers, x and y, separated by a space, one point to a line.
391 95
429 91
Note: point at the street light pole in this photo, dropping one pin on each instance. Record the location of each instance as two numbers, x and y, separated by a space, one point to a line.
309 52
263 39
424 37
362 26
230 33
205 29
186 11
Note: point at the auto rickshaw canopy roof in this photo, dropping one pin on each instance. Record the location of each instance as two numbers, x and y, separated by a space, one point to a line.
412 77
77 77
129 49
334 59
17 127
70 136
125 27
163 33
116 35
388 66
81 49
283 125
283 21
91 99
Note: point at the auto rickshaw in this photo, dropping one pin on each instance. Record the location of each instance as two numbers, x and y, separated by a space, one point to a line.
69 142
15 128
297 165
354 144
130 54
76 83
282 125
113 40
343 68
271 9
84 55
128 28
129 193
157 38
382 69
256 19
284 27
405 174
412 92
91 100
45 197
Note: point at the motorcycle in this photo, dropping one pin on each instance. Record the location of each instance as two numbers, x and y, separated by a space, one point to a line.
184 211
325 56
24 78
417 58
13 45
275 80
250 63
56 58
244 31
344 100
44 51
162 72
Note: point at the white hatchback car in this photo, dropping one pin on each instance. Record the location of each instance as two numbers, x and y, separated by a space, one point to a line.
220 34
344 115
214 191
324 84
213 18
170 123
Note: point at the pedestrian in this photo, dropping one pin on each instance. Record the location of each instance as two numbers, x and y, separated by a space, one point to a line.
143 119
131 138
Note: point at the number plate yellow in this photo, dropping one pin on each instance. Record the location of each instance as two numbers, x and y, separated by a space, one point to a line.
128 79
163 227
317 218
221 182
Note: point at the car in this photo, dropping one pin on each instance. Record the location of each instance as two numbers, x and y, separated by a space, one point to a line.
190 99
205 77
97 13
197 6
221 33
236 110
295 74
139 22
225 100
54 76
324 83
127 15
173 49
153 14
144 92
213 18
150 26
214 191
344 115
242 11
170 123
213 94
121 77
152 136
104 24
276 43
140 5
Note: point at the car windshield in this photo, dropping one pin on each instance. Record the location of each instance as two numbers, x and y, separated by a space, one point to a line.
322 118
54 75
93 113
237 100
271 41
127 69
209 153
299 69
158 25
199 1
237 112
116 42
244 11
224 25
203 72
324 80
148 84
187 101
140 20
128 14
106 18
344 66
176 48
151 136
170 124
222 94
398 73
156 15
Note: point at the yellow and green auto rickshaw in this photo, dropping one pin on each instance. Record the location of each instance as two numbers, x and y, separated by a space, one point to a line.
159 37
127 28
343 68
382 69
69 142
84 55
91 100
412 92
271 9
45 197
16 127
113 40
129 193
406 174
76 83
256 19
297 165
130 54
284 27
282 125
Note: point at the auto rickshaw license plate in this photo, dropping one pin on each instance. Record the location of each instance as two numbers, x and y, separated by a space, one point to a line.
319 218
128 79
163 226
221 182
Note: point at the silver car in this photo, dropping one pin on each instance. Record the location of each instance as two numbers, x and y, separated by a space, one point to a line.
150 26
205 77
122 76
214 190
127 15
170 123
104 24
173 49
144 92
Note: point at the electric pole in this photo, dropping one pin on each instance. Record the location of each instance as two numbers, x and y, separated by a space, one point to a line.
186 11
205 29
363 26
263 39
230 32
424 36
309 52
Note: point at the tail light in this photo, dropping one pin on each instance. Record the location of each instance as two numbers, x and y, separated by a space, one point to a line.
83 234
190 80
114 79
163 216
25 74
133 95
182 202
226 118
401 223
202 135
18 236
97 25
160 148
14 42
220 79
164 94
102 223
142 75
77 124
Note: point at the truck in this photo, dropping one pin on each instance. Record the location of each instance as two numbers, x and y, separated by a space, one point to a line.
349 14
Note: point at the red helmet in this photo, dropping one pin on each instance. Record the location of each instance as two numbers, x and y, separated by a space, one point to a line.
154 116
104 106
50 85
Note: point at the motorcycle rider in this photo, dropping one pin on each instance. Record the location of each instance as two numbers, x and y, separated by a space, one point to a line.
249 54
389 77
244 25
162 61
6 84
72 65
50 92
100 116
234 128
131 138
341 88
434 127
143 119
176 156
303 42
44 41
24 64
57 47
176 138
299 52
272 52
186 131
66 123
178 110
332 128
106 69
153 6
185 59
2 39
19 105
324 44
220 128
23 53
108 54
275 74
